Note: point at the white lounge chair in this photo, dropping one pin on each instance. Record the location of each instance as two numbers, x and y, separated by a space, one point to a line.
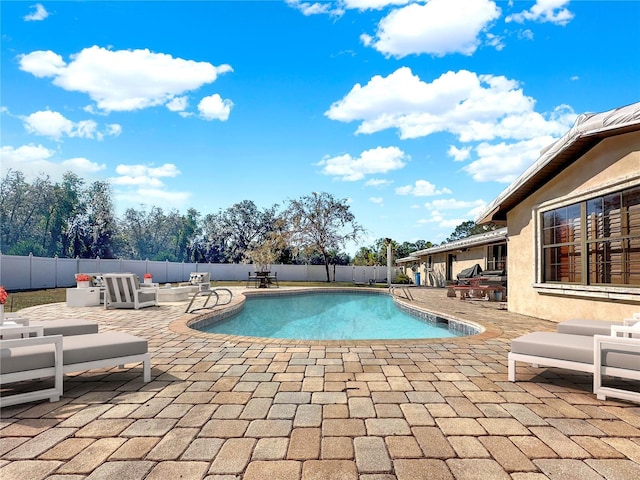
592 327
53 356
198 281
597 354
62 326
123 291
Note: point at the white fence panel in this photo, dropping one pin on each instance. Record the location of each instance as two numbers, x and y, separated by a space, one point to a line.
29 272
43 272
89 265
66 272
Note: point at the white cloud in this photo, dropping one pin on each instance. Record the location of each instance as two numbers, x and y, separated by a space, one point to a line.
453 204
123 80
505 162
372 4
377 182
55 125
544 11
495 41
39 13
178 104
373 161
33 160
442 222
214 107
473 107
159 197
25 153
377 200
315 8
439 27
113 129
525 34
421 188
142 172
42 63
459 154
81 164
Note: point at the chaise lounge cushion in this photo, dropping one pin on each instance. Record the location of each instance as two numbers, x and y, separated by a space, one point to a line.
573 348
76 349
68 327
586 327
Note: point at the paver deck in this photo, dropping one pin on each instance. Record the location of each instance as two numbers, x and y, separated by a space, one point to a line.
223 407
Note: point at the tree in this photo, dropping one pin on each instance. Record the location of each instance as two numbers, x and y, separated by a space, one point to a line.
241 228
319 223
64 205
365 257
468 228
270 248
20 212
407 248
101 221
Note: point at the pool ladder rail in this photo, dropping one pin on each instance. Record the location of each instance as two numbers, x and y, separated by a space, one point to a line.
208 294
404 289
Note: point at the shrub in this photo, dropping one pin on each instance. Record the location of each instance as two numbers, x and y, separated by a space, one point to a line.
402 278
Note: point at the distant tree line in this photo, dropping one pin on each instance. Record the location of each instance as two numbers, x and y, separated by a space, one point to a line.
71 218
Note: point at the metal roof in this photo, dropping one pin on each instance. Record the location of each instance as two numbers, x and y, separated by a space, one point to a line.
472 241
588 130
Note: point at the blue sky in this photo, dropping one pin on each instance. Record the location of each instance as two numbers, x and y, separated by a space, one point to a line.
419 113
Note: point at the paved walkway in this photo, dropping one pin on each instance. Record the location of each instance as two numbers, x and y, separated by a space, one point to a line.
230 408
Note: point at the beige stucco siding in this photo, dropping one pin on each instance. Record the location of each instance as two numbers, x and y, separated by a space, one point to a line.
437 277
612 164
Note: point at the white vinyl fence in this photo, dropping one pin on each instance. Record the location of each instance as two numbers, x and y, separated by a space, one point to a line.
32 273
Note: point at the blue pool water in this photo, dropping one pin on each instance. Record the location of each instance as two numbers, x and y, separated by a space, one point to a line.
328 316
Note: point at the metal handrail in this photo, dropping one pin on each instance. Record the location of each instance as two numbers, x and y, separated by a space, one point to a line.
209 294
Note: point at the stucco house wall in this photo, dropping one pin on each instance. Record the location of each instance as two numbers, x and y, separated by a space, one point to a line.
612 165
434 274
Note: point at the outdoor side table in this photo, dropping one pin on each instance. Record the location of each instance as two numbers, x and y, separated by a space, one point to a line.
83 297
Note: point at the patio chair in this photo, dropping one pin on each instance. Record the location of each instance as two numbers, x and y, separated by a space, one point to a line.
123 291
273 280
597 354
53 356
255 279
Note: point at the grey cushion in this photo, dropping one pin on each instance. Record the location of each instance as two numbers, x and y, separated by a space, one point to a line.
68 327
144 297
574 348
18 359
75 349
98 346
586 327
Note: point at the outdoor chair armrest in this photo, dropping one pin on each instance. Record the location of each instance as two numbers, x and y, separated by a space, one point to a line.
623 344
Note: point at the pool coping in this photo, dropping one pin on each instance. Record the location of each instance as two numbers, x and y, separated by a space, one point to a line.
184 324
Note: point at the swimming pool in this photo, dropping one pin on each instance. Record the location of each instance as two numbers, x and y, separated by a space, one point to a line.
331 316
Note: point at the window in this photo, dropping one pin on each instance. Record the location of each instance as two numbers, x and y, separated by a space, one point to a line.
594 242
497 257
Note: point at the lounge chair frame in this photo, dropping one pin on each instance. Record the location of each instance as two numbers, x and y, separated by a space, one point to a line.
596 368
58 369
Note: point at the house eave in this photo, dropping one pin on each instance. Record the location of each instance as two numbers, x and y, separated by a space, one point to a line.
587 132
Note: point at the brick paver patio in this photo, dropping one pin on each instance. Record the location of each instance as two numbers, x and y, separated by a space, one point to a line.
235 408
